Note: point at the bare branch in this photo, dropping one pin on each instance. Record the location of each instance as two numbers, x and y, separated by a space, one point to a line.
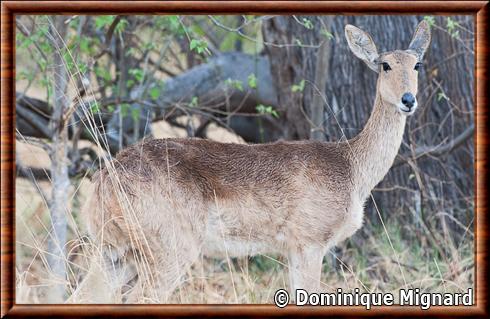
317 104
447 147
437 150
108 38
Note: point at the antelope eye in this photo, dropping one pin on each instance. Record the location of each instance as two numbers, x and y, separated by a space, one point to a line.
386 66
417 66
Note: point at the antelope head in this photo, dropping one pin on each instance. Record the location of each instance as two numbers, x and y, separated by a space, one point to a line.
398 70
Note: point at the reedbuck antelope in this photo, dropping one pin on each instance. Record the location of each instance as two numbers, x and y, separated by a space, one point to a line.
163 202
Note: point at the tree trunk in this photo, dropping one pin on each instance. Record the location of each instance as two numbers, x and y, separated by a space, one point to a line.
59 162
291 64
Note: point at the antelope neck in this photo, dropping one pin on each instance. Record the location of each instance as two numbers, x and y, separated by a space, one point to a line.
374 149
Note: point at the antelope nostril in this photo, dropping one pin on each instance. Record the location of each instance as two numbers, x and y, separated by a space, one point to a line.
408 100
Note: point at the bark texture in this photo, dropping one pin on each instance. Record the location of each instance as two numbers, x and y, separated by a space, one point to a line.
291 64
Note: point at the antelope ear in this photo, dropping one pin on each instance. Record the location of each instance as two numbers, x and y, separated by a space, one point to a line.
420 40
362 45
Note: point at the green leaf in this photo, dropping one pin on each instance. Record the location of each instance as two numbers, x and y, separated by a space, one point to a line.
85 45
125 109
82 67
24 75
121 26
130 52
194 102
104 21
307 23
252 81
267 109
138 74
68 60
431 21
74 22
169 24
103 73
235 84
23 41
42 64
199 46
149 46
154 93
173 22
49 88
44 82
194 43
298 87
451 24
441 95
94 107
135 113
327 34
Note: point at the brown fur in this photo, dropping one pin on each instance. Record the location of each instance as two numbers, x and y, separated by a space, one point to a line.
165 201
231 170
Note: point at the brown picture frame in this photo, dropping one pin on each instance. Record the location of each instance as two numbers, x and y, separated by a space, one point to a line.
480 11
